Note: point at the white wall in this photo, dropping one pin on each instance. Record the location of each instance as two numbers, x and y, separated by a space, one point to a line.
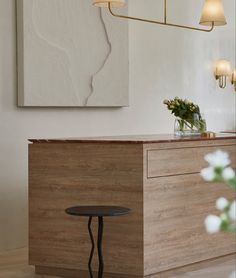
164 62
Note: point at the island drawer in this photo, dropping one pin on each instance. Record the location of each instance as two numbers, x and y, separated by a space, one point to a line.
170 162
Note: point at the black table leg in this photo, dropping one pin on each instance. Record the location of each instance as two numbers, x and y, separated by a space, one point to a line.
99 245
92 249
100 212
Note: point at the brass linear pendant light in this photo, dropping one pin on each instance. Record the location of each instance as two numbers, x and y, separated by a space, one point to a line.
212 14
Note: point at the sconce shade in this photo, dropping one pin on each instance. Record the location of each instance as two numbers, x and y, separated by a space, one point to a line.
223 68
213 11
104 3
233 78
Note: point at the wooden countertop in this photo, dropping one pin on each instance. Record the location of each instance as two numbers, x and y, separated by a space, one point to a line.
135 139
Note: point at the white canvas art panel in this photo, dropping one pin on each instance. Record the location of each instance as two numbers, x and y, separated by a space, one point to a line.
71 54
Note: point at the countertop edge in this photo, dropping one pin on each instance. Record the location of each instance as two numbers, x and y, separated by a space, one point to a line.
129 141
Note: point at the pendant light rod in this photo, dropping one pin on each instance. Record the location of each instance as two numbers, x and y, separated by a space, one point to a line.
159 22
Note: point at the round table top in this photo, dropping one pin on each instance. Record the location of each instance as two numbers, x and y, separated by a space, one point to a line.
98 211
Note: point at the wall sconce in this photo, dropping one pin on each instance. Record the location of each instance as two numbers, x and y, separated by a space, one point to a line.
233 79
212 14
222 71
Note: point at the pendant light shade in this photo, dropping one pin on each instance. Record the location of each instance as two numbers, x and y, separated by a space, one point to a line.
213 12
104 3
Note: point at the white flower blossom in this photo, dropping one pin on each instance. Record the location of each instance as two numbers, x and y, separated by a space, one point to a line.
233 275
208 174
228 173
232 211
222 204
218 159
212 223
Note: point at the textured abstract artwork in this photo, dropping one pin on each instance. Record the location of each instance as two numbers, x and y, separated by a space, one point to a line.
71 54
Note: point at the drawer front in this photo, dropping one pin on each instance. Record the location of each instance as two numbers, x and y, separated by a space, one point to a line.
172 162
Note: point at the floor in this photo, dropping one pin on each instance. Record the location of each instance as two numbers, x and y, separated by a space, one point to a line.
13 264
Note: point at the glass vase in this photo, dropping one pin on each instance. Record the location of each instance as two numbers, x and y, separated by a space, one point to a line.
190 127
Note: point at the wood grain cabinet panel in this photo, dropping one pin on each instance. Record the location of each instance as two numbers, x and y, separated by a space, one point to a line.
181 161
159 181
174 211
65 175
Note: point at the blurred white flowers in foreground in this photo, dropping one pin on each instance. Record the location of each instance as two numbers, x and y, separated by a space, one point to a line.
212 223
228 173
218 159
222 204
219 171
208 174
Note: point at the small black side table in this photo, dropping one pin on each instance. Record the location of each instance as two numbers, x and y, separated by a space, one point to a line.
100 212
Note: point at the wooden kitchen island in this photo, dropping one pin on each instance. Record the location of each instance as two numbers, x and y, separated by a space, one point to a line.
157 176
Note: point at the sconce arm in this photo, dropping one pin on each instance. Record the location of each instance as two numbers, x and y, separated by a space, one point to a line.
159 22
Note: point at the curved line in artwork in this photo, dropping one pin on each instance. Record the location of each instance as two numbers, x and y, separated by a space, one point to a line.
40 36
105 60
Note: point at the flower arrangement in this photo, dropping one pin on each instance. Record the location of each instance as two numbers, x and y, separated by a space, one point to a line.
220 171
188 116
